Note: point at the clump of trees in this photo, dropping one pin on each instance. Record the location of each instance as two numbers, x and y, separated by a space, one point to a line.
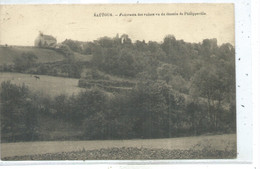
27 63
18 113
151 110
181 89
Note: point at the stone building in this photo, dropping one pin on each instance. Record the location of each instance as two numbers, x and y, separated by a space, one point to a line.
45 41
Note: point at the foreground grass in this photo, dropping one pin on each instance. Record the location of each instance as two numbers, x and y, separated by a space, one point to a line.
130 153
198 147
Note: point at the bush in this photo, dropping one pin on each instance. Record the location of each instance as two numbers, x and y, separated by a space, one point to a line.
18 113
64 49
94 74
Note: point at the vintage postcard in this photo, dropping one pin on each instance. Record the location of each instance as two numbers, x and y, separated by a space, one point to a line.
118 82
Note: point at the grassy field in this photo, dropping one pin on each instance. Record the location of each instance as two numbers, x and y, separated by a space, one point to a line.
81 57
215 144
8 54
49 85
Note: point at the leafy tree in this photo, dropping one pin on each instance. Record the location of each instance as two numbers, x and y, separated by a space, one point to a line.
18 113
140 46
106 42
86 104
168 45
65 50
150 109
213 84
209 48
75 46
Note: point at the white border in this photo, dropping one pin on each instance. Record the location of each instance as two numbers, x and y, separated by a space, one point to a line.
248 147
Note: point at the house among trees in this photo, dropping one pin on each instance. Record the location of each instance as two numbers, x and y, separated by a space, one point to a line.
45 41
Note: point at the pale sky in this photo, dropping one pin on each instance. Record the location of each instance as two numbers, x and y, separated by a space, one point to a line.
20 24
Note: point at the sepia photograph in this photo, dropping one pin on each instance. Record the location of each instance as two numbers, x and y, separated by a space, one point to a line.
118 82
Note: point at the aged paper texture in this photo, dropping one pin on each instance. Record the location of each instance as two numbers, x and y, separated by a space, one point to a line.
117 82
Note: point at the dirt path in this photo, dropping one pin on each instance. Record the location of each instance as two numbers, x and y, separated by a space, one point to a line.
218 142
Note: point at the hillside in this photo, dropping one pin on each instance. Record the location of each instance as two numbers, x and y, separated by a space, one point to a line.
8 54
130 90
47 85
81 57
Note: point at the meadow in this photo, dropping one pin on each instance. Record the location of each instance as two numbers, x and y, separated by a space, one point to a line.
46 85
9 54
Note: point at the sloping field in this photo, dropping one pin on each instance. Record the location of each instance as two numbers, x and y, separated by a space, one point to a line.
8 54
226 142
49 85
81 57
